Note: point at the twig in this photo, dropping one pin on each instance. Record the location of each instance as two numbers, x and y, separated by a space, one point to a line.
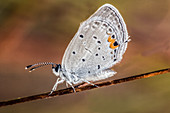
83 88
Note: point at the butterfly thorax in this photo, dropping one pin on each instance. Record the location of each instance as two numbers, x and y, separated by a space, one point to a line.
69 77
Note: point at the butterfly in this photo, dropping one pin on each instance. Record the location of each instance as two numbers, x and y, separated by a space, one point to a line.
99 44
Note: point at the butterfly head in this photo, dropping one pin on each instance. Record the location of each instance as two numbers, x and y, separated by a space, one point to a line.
56 68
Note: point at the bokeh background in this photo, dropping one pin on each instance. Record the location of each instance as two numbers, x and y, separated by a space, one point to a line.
34 31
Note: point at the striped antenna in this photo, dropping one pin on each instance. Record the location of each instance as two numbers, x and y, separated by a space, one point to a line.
37 65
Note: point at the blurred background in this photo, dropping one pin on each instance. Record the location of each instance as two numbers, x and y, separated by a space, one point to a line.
34 31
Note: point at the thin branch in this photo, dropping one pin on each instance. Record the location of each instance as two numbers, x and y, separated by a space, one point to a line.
82 88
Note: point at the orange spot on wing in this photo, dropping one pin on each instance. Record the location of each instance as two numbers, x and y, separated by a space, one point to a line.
112 42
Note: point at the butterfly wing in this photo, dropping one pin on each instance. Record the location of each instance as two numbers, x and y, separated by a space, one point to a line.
99 44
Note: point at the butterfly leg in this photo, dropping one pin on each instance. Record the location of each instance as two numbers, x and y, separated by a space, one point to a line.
89 82
71 85
56 84
66 84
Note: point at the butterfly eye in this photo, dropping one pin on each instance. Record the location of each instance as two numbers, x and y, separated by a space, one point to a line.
57 68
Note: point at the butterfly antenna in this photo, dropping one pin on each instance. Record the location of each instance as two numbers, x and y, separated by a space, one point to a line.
35 66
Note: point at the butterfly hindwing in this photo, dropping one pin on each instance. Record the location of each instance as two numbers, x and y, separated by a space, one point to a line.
98 45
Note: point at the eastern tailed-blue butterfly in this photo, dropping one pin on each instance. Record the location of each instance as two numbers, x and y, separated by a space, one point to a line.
99 44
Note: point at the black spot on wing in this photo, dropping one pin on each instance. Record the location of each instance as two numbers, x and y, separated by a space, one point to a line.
98 66
81 36
115 50
103 57
74 52
94 37
99 42
115 43
113 36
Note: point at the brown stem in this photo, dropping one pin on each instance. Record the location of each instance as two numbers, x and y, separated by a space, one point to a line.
82 88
